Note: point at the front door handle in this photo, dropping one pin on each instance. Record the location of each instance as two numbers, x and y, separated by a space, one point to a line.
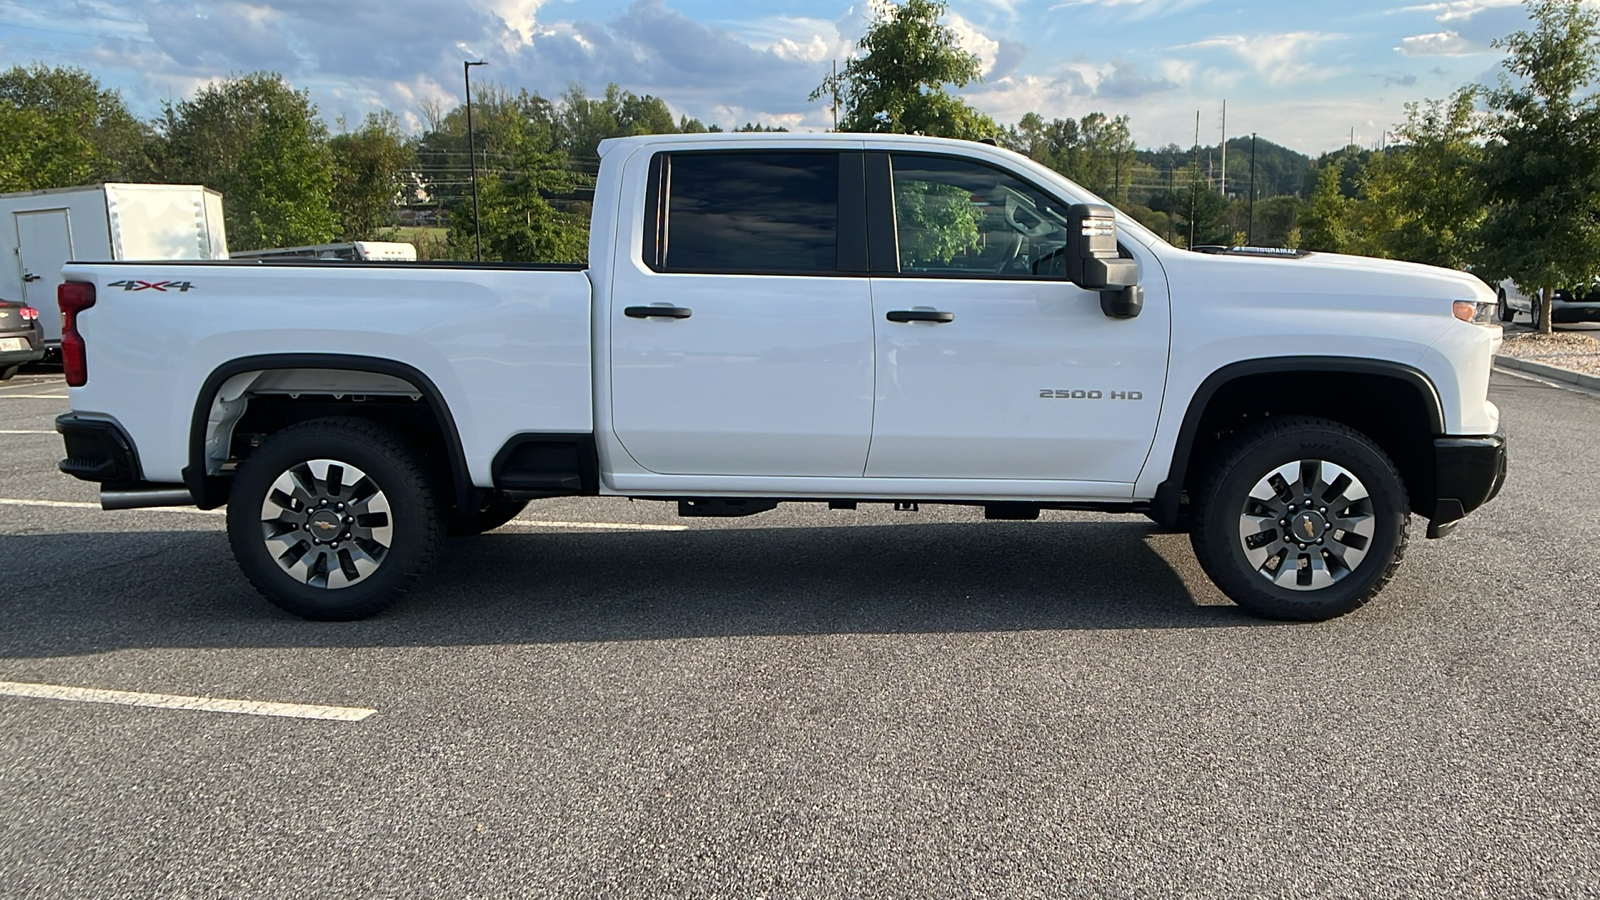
921 315
657 312
31 278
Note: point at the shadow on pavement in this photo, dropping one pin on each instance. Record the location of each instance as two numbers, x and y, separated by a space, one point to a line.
92 592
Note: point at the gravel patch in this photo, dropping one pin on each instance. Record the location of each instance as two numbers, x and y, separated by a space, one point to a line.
1578 352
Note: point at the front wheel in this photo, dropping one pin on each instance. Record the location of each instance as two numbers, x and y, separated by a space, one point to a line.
1301 519
333 519
1506 312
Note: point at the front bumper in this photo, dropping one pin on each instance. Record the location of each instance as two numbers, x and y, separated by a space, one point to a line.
1468 472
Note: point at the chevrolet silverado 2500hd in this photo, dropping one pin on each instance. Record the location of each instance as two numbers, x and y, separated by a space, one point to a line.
773 318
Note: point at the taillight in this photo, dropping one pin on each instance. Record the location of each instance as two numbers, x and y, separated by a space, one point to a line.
29 314
74 297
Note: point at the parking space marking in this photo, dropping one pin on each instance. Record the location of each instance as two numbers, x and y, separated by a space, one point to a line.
7 431
34 397
174 701
599 526
78 504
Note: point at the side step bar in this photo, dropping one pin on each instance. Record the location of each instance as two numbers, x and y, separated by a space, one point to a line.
145 496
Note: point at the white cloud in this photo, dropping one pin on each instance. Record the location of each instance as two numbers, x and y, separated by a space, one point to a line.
1443 43
1277 57
1454 10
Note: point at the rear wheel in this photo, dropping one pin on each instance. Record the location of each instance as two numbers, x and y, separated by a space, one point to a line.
9 373
1506 312
1301 519
333 519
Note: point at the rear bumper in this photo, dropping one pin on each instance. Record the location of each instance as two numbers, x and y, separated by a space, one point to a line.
1468 472
33 353
1568 315
98 450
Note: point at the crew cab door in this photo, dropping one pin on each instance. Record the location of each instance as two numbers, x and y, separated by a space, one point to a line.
741 325
988 365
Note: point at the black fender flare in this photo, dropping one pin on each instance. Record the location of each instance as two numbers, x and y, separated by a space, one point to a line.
211 491
1165 506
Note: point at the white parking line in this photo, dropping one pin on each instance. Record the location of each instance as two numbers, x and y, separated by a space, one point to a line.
174 701
598 526
75 504
34 397
6 431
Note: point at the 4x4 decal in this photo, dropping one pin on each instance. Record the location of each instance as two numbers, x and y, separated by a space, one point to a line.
162 286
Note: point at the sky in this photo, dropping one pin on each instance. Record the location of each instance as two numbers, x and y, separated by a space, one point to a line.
1303 74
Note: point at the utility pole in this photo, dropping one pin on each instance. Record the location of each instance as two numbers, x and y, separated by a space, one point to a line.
472 149
1250 237
1224 149
1194 187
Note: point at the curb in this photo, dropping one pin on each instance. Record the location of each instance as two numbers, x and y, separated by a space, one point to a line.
1554 373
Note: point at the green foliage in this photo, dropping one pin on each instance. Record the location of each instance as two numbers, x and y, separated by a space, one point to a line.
938 221
1097 152
897 83
1423 200
372 170
259 142
60 128
1541 171
1324 225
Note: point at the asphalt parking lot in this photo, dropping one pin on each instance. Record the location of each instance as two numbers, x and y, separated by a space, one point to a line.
801 704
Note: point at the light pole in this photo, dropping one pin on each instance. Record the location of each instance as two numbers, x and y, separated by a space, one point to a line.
472 152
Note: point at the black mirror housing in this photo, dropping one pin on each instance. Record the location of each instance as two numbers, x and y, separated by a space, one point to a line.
1094 261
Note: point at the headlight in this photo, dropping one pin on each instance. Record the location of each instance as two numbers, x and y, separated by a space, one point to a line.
1478 312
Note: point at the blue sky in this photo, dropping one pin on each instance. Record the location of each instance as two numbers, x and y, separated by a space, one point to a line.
1301 73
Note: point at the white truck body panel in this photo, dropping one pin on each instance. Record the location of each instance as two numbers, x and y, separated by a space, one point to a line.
791 386
43 230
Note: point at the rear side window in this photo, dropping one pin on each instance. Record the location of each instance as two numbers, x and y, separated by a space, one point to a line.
744 213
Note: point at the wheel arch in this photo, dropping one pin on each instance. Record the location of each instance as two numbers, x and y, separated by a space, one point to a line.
1398 407
211 490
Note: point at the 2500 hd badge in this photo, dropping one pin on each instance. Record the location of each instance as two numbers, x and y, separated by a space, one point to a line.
1090 395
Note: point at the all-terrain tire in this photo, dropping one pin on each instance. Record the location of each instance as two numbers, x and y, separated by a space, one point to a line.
1314 578
334 519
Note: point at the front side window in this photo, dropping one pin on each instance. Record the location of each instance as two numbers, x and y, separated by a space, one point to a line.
746 213
960 218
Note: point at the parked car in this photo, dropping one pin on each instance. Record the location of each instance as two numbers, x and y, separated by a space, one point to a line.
21 337
1513 301
1572 305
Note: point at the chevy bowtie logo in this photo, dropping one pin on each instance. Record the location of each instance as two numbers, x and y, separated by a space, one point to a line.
325 526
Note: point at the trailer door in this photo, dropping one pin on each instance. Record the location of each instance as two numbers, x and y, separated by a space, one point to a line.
44 245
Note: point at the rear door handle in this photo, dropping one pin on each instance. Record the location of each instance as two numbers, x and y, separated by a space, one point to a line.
921 315
31 278
657 312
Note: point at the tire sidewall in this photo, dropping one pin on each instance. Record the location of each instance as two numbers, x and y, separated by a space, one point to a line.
1224 558
410 507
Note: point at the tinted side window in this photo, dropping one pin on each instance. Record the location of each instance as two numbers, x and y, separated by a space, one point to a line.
962 218
772 212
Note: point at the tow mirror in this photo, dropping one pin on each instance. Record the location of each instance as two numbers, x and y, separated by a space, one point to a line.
1094 262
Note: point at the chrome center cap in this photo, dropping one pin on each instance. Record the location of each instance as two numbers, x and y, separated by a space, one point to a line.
1307 527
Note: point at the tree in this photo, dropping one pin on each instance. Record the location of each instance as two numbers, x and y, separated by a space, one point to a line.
372 169
897 84
60 128
259 142
1422 201
1324 225
1541 172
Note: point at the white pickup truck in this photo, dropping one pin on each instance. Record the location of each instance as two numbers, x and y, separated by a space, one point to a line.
830 318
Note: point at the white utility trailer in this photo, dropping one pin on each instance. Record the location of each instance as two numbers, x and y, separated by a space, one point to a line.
101 223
